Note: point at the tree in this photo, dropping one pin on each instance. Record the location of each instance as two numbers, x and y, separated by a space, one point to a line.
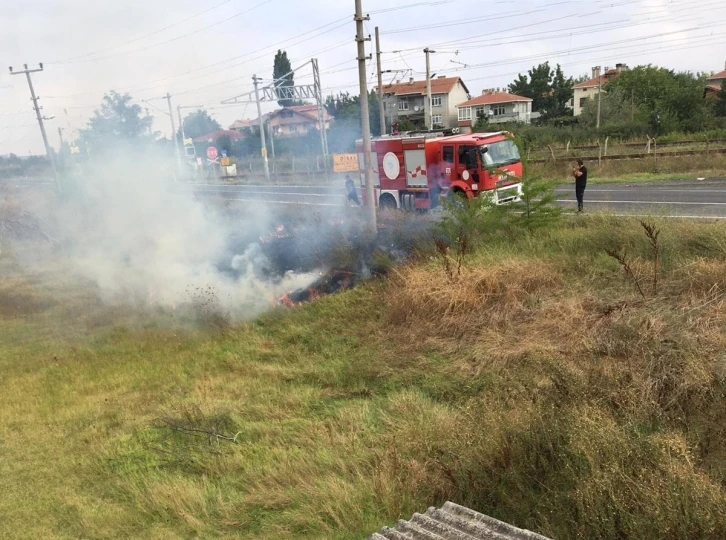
199 123
549 90
676 97
118 121
614 108
283 75
347 126
720 106
224 144
562 92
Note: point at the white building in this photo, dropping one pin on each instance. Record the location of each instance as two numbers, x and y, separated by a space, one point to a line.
497 106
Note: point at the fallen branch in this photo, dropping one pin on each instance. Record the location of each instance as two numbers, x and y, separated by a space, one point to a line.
192 430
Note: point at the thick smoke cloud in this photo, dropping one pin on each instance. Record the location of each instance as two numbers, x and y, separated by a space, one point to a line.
143 238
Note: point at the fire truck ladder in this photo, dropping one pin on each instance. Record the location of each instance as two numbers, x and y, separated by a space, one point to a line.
278 90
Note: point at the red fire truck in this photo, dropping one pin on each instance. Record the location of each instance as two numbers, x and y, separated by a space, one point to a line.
414 170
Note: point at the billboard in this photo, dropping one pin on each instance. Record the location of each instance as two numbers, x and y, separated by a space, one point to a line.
345 163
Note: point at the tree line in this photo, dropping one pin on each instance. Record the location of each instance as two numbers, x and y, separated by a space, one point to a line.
642 101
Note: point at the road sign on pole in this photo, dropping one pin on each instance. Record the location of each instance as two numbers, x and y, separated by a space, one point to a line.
212 153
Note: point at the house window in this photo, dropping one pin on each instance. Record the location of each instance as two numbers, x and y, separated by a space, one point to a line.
436 119
481 112
465 113
293 128
436 101
583 101
499 110
403 105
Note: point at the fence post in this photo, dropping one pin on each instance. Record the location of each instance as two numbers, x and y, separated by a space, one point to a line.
708 143
647 147
568 147
599 154
606 145
554 159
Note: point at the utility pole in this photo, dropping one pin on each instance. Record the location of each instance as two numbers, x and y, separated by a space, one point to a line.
262 126
173 133
599 97
48 150
60 136
429 113
365 118
181 124
381 107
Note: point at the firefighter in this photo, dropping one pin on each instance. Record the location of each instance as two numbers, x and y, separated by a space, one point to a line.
580 174
351 190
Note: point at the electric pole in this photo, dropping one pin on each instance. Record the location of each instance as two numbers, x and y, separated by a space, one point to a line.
599 96
173 133
48 150
381 107
262 127
429 114
365 117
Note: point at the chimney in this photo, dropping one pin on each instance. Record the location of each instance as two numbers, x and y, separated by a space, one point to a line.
442 76
410 81
595 72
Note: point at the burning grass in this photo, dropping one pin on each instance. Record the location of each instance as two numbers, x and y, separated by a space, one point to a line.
538 387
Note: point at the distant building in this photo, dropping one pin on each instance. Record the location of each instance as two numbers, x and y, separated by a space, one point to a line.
589 89
714 83
407 100
212 137
497 107
289 121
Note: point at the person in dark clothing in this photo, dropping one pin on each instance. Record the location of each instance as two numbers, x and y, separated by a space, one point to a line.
351 190
580 174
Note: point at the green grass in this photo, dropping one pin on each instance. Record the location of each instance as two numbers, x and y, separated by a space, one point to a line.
539 388
640 170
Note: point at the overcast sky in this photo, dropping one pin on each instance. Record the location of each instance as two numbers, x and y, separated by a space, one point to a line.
205 51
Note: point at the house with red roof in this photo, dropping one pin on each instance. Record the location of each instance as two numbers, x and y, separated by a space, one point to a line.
289 121
407 100
497 106
589 89
714 83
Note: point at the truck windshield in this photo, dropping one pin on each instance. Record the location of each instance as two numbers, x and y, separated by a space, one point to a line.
499 154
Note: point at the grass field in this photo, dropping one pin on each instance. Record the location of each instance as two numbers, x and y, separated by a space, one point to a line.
538 387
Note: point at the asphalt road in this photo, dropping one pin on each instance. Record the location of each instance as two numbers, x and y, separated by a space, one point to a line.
686 198
698 199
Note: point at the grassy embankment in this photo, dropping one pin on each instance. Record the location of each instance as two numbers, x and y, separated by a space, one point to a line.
539 388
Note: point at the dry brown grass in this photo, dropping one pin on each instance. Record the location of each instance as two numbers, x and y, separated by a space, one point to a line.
583 384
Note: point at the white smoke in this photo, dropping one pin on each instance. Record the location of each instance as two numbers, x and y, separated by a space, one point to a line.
141 237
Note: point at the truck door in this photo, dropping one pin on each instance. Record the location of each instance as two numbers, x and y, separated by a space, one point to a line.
448 169
467 168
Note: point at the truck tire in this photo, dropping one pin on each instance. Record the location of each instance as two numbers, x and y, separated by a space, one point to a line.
387 202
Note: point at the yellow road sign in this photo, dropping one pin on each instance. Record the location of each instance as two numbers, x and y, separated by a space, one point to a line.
75 150
264 152
345 162
224 162
188 142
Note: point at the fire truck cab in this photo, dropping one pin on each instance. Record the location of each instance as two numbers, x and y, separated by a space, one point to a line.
414 170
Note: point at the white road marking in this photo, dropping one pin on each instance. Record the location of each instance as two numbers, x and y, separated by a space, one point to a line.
273 193
341 205
646 202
